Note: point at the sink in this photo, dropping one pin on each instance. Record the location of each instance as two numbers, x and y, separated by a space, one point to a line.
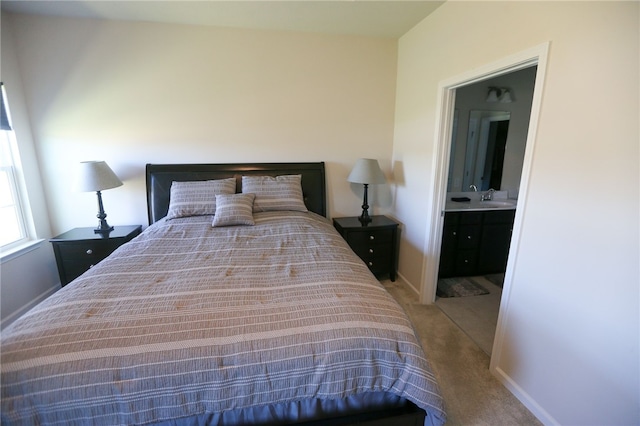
481 205
496 203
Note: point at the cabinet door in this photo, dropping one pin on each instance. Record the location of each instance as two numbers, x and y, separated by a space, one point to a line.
448 250
466 263
469 236
449 245
494 249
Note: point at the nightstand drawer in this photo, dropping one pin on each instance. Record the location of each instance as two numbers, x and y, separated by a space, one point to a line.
372 251
73 270
378 263
363 238
86 251
375 243
78 257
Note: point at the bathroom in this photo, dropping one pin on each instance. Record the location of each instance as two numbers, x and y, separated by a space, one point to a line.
490 125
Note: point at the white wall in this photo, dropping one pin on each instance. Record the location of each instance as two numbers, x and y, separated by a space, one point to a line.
136 93
31 276
570 315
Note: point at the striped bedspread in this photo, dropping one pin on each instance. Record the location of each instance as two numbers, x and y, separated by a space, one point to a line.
188 319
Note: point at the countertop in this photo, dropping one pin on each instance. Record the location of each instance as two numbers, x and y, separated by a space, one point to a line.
499 202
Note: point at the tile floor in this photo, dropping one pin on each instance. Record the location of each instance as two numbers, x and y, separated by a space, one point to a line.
477 316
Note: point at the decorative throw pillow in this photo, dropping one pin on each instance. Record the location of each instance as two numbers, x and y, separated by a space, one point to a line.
234 209
197 198
275 193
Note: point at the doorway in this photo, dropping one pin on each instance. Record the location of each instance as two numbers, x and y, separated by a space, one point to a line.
486 155
536 56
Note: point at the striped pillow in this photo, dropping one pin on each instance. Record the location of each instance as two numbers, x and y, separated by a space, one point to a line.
197 198
275 193
235 209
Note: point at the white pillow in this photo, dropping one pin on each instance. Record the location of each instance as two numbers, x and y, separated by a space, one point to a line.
234 209
275 193
197 198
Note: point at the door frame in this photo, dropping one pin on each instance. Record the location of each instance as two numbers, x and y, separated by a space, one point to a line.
536 55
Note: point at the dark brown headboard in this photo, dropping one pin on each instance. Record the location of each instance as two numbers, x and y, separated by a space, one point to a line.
160 176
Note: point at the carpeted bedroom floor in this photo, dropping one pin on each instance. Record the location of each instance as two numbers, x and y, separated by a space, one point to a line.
473 396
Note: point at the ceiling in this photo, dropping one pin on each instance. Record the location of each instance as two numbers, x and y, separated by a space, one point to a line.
390 18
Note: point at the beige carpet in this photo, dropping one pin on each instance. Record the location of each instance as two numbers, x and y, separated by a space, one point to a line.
473 396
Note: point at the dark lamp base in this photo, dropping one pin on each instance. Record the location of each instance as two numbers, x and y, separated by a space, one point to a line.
103 227
364 219
103 230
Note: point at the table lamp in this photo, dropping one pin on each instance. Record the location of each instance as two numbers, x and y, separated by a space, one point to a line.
97 176
366 171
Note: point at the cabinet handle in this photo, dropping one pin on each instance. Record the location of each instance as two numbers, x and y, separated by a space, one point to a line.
468 237
455 233
89 251
372 237
91 266
370 263
370 250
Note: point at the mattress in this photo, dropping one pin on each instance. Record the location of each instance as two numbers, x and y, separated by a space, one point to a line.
191 320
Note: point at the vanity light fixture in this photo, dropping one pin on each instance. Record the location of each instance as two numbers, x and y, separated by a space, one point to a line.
366 171
97 176
493 94
499 94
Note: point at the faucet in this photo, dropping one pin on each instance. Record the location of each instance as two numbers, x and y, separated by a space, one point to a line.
487 196
475 188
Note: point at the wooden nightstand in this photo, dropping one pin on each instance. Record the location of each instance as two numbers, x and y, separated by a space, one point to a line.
79 249
376 243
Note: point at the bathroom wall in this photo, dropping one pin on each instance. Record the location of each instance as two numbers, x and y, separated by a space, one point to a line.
473 97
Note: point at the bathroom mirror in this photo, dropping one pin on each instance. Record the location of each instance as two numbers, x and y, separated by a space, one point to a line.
483 151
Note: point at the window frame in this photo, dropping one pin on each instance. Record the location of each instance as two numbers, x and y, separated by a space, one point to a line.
12 165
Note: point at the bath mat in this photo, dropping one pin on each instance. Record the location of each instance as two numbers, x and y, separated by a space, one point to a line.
497 279
459 287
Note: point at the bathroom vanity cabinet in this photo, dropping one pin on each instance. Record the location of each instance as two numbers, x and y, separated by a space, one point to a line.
475 242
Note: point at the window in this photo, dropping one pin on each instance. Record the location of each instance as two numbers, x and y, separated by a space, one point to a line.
14 230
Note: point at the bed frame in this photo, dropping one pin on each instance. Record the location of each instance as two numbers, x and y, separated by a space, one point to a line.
159 178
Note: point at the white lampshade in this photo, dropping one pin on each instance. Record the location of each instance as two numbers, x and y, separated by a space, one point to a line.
95 176
366 170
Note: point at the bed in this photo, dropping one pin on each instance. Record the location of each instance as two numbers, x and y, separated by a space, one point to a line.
259 313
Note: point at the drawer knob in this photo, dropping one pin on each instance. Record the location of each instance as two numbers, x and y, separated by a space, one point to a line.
370 250
370 263
468 237
89 251
91 266
372 237
455 233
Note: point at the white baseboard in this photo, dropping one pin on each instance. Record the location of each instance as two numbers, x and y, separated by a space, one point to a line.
406 282
522 396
